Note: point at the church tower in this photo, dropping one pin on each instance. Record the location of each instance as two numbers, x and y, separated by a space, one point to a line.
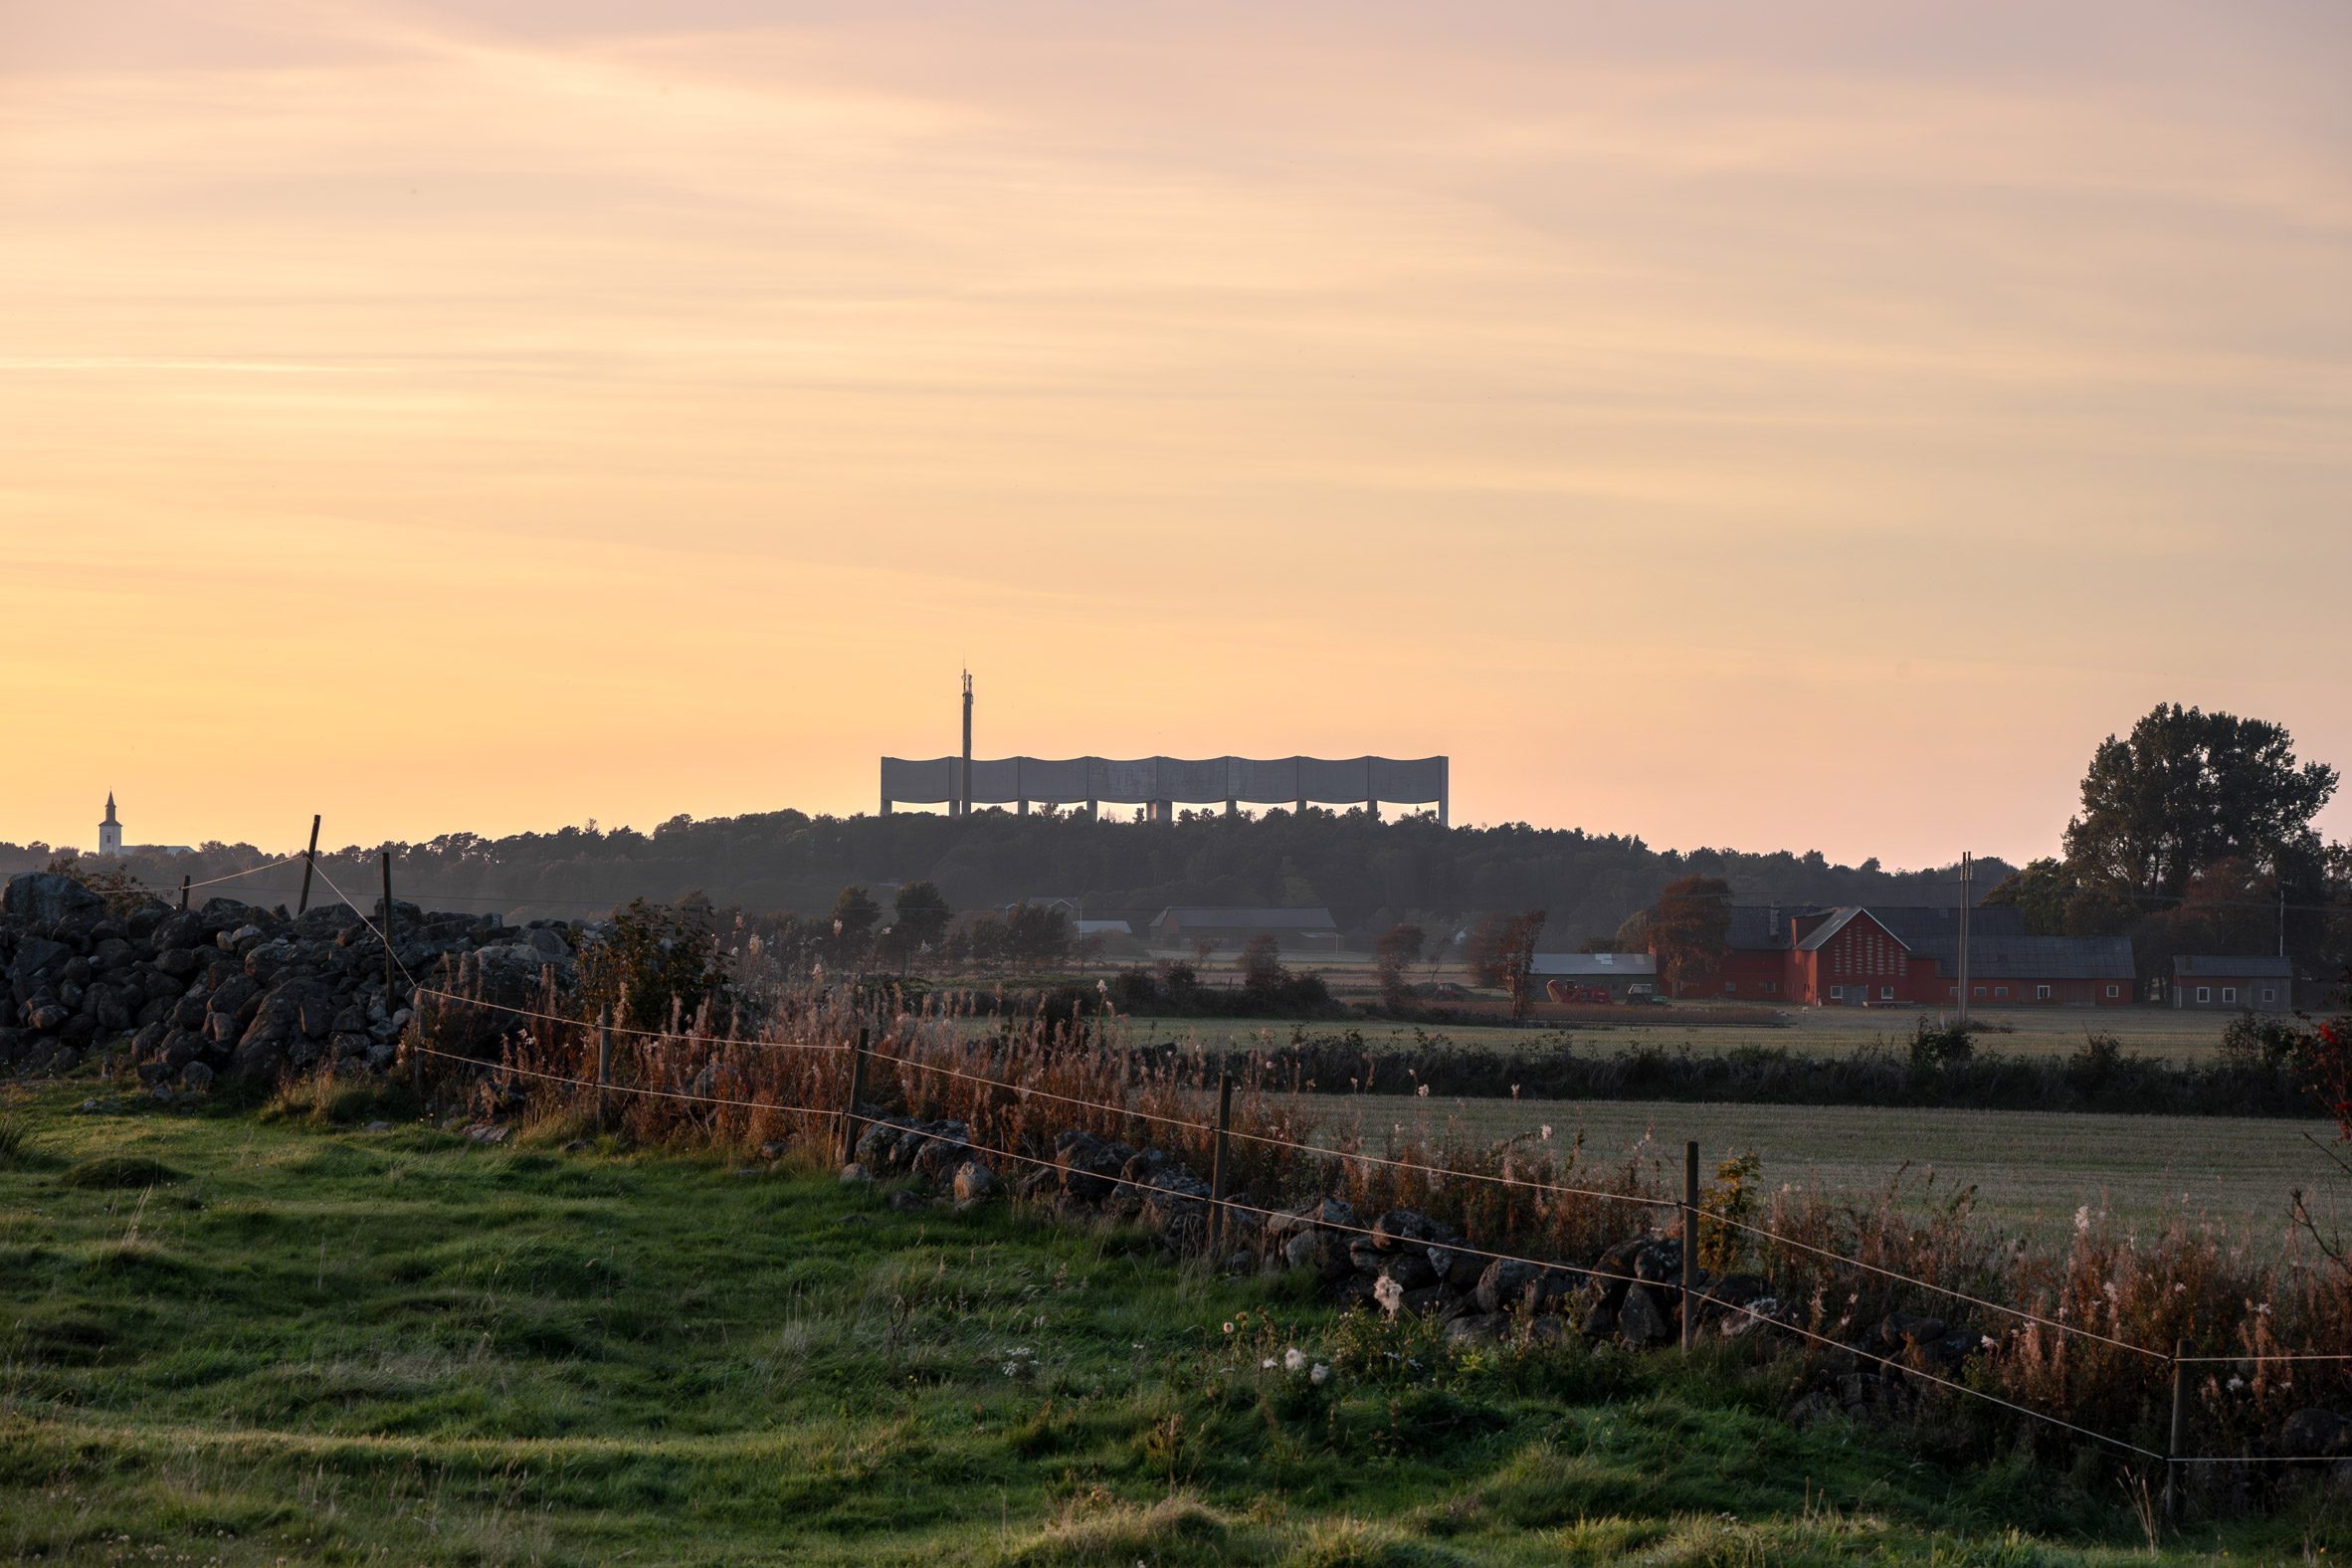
109 831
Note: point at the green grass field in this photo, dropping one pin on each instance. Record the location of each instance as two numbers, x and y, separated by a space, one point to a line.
230 1341
2032 1169
2021 1031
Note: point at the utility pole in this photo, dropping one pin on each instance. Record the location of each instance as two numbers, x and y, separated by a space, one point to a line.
964 789
2282 921
1967 902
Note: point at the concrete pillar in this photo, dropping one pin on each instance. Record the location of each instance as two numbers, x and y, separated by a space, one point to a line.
1372 810
886 811
1094 811
1233 808
1024 808
1302 804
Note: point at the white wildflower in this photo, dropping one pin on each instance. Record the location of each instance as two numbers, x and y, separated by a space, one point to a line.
1389 1294
1293 1358
1422 1091
2083 1218
1267 1365
1321 1375
1229 1325
1547 1132
2236 1384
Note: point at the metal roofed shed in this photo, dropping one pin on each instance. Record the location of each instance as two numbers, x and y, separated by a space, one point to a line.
2208 982
1618 974
1306 926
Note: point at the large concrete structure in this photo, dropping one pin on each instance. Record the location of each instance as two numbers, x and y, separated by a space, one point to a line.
1161 784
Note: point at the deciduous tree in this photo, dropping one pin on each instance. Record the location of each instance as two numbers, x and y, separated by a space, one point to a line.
921 914
1686 931
854 915
1262 964
2188 789
1397 950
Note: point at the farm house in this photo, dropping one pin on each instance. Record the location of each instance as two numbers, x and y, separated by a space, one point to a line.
2208 983
1895 955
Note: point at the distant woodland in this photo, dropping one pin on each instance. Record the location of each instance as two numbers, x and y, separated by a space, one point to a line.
2195 834
1371 873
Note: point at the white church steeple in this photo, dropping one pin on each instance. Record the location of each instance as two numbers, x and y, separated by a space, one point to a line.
109 831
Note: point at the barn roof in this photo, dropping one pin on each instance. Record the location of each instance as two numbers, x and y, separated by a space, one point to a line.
2208 965
1765 926
1315 918
1819 937
2036 959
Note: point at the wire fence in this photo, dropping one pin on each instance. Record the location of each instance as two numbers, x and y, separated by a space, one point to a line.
848 1114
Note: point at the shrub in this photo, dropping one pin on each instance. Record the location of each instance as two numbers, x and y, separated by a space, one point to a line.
1730 1201
2094 1067
1133 988
2253 1041
1935 1046
652 966
119 1170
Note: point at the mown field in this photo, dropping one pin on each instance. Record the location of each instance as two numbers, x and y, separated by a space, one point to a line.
226 1339
2146 1031
2031 1169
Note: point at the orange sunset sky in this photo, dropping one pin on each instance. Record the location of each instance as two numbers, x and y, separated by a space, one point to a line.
1790 425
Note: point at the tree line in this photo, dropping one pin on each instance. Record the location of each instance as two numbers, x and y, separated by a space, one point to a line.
1372 874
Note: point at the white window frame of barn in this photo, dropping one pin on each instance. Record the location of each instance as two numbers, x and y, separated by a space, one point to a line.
2229 994
2040 993
2270 993
1886 993
1732 988
2115 991
2205 994
2001 990
1836 993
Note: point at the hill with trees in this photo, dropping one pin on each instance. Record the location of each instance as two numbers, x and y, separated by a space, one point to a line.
1372 874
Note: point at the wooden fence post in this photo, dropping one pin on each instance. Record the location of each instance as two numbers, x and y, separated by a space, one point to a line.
849 1106
1217 1156
1689 1244
2179 1429
415 1043
183 895
604 1062
310 861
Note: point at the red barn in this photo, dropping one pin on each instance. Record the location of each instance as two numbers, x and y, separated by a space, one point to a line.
1897 955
